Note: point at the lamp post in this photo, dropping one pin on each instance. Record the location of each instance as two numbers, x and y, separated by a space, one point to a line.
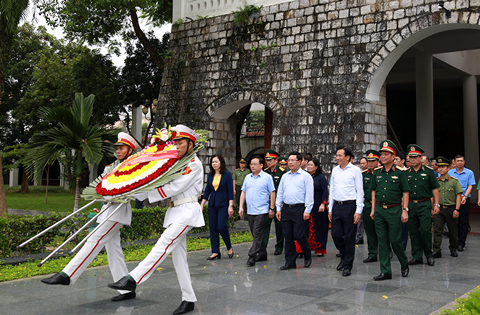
153 110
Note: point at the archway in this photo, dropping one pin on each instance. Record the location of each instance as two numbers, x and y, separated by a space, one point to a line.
427 86
232 135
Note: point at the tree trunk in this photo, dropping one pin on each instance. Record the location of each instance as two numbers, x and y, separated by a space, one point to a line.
46 187
24 189
3 198
77 194
152 51
241 115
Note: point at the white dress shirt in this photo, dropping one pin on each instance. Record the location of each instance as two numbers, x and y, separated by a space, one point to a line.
346 184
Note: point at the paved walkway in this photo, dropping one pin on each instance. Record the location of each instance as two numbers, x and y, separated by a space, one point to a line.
227 286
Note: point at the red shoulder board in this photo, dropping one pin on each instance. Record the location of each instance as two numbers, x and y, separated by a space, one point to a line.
193 160
187 170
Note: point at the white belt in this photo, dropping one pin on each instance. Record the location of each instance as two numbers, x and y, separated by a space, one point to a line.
178 202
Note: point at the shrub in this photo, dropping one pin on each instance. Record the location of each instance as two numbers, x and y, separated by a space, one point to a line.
146 223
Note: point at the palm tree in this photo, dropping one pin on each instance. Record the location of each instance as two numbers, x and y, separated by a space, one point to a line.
74 132
11 12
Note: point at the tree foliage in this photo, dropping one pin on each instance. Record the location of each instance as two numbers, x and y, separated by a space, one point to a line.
99 22
72 129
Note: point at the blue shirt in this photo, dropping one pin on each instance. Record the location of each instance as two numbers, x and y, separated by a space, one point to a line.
346 184
257 192
466 178
294 189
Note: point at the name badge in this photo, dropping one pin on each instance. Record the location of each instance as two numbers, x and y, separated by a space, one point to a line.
394 177
423 174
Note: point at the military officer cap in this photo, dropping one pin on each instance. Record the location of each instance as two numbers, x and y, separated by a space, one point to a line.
126 139
271 154
372 155
414 150
183 132
388 146
441 161
282 160
242 160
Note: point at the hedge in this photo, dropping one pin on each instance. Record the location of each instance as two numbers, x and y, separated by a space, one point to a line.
146 223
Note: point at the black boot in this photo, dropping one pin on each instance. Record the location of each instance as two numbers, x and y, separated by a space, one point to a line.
184 308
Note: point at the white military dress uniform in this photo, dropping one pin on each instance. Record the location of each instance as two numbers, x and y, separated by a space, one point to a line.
179 219
108 235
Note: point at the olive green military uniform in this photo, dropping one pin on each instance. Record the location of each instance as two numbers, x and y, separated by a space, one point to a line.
389 187
421 183
239 177
449 189
277 174
368 222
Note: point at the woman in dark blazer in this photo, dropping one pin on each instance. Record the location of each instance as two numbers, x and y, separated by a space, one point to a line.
219 193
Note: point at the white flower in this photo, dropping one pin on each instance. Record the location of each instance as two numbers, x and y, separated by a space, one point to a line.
164 131
164 137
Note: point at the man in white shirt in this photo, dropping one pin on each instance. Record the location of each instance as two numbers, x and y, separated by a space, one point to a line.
345 207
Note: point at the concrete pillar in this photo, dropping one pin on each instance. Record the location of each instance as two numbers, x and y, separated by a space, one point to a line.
137 123
470 126
13 181
424 97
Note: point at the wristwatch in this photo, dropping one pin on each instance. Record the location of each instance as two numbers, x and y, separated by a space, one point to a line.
436 205
456 210
406 209
271 209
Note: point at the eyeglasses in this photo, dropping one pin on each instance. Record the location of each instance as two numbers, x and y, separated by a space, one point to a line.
243 162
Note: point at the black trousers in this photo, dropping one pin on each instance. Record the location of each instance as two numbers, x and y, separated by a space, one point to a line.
257 225
295 228
344 231
463 222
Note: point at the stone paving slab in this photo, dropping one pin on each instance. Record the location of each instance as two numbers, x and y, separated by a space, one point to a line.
227 286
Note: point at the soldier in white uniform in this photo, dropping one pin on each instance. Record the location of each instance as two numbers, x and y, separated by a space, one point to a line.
108 235
184 214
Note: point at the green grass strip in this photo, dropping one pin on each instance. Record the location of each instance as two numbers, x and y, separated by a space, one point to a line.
132 253
469 305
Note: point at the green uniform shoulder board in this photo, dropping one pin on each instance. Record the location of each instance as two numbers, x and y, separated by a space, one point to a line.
237 169
379 167
365 170
454 177
429 167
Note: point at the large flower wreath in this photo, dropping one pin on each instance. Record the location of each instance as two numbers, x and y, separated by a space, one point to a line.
154 166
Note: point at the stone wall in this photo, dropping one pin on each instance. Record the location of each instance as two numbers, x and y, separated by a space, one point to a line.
309 61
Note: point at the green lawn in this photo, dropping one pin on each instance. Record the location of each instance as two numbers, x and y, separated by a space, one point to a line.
58 199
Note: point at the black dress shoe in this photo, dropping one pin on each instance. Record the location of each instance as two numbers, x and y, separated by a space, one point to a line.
277 252
369 259
250 262
308 262
57 278
405 271
346 272
126 296
299 255
123 284
415 262
437 254
453 253
383 276
261 258
218 256
460 248
286 267
339 255
358 242
184 308
390 255
340 265
430 261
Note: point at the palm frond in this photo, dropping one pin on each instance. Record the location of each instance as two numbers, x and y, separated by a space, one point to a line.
83 108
